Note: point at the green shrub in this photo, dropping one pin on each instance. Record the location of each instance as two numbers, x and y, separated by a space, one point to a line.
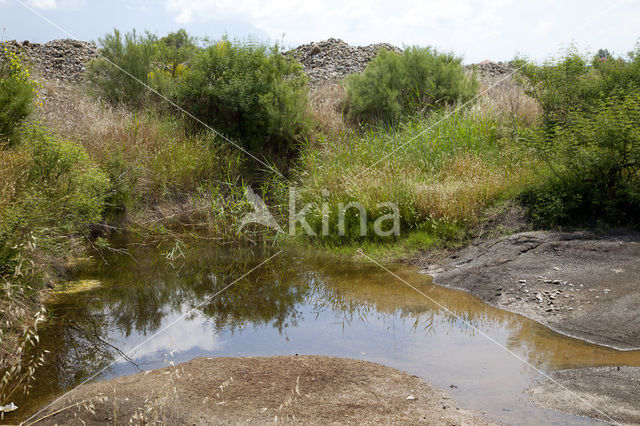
394 85
17 93
172 56
133 54
595 167
576 82
55 192
249 92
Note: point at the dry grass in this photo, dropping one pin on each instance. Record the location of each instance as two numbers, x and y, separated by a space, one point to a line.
465 187
146 153
455 169
325 104
507 101
18 337
13 167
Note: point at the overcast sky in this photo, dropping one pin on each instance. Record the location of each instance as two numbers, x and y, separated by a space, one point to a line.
475 29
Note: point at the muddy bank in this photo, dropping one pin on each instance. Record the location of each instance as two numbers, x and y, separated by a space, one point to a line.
604 391
306 389
580 284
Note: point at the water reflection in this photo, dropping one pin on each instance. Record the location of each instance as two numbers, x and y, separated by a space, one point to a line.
301 303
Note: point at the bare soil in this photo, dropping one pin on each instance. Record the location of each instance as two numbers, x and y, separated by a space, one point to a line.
580 284
604 391
305 389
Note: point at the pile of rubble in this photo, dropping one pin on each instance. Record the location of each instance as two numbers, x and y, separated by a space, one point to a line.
327 61
488 69
62 60
331 60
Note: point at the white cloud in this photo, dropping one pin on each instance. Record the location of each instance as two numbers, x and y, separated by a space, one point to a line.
188 334
356 21
42 4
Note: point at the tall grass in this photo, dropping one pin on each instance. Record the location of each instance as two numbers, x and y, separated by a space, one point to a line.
461 163
150 158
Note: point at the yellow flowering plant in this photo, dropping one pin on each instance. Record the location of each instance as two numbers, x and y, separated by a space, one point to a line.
18 91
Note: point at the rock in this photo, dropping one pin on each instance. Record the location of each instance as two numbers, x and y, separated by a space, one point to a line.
62 60
331 60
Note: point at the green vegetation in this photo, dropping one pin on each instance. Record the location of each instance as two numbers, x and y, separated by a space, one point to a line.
565 143
250 92
17 93
395 86
441 182
589 141
245 90
127 63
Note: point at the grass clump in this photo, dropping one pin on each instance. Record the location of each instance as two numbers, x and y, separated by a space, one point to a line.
440 182
394 86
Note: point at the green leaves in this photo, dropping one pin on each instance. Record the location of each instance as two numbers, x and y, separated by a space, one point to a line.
250 92
595 157
17 94
126 64
396 85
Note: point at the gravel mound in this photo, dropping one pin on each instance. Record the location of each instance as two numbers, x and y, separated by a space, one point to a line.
489 70
325 62
62 60
331 60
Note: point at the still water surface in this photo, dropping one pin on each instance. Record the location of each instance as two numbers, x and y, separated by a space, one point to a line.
301 303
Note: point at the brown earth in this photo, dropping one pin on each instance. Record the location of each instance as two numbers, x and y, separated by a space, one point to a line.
305 389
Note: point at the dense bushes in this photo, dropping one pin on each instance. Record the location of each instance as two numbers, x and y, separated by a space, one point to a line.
595 167
127 62
589 139
249 92
396 85
17 93
50 190
578 83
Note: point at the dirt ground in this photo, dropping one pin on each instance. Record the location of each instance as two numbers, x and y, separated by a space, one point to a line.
615 391
284 389
581 284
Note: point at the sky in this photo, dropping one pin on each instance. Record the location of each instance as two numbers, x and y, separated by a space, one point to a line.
475 29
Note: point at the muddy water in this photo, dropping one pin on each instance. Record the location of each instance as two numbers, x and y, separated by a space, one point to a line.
300 304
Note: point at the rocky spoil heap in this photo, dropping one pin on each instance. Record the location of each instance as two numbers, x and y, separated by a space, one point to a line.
498 74
62 60
331 60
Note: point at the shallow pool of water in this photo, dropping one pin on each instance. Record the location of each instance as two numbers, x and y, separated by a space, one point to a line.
300 303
